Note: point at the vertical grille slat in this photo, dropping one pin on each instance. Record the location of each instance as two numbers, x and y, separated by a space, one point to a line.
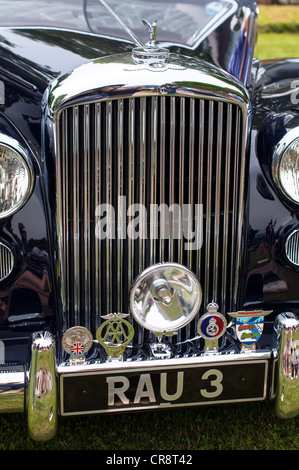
75 230
146 152
226 216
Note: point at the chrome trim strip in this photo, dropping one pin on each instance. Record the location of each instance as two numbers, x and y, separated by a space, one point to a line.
120 182
76 228
238 358
118 77
171 173
226 206
98 200
218 197
241 176
109 186
142 176
87 202
162 172
153 178
200 171
209 203
131 199
182 172
191 171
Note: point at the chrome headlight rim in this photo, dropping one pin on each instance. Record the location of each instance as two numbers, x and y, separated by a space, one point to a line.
13 145
281 148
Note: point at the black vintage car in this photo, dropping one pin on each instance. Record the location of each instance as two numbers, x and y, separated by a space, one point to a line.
149 232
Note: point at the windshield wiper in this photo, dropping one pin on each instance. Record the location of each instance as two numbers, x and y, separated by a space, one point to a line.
123 24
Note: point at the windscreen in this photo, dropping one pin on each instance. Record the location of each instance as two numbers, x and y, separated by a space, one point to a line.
185 23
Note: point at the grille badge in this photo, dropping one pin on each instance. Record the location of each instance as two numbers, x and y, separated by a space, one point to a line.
115 334
211 326
249 327
77 341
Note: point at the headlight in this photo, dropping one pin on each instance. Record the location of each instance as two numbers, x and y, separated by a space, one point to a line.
16 176
286 165
165 297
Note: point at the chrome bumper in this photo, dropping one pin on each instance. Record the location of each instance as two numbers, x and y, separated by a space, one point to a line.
36 390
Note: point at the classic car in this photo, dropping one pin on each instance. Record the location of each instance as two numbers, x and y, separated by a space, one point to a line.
149 232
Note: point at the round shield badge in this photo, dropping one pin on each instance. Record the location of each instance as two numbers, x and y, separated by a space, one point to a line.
77 341
211 326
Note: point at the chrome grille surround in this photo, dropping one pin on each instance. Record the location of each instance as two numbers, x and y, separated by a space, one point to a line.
292 247
156 161
6 261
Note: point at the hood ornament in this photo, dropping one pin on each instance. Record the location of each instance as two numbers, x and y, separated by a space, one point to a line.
151 54
152 29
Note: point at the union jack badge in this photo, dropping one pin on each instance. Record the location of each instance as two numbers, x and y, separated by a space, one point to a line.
115 334
249 327
211 326
77 341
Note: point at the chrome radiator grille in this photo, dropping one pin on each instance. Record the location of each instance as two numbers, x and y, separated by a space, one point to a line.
146 150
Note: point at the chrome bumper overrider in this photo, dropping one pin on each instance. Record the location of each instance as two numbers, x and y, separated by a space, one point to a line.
287 394
40 390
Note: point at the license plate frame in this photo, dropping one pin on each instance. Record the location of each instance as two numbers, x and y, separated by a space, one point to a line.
180 385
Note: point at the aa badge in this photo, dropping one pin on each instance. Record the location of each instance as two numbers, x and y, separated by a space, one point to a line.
77 341
249 327
211 326
115 334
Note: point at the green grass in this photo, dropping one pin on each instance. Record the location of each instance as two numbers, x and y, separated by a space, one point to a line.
278 18
250 426
276 46
278 32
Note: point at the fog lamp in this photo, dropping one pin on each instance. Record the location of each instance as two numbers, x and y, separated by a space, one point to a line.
165 297
286 165
15 176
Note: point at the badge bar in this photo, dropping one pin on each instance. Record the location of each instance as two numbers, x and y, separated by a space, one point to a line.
116 332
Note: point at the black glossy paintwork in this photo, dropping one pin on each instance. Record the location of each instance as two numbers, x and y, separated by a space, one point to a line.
30 61
270 279
26 295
